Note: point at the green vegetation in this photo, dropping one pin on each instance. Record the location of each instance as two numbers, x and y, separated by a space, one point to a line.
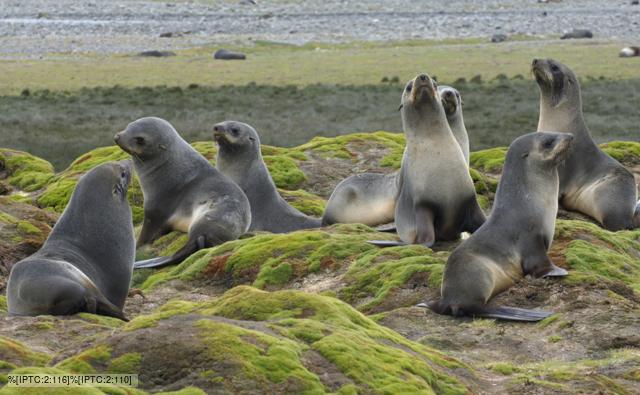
16 353
106 93
26 172
264 337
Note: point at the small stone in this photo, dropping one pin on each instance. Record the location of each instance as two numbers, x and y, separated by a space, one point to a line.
577 33
224 54
156 54
498 38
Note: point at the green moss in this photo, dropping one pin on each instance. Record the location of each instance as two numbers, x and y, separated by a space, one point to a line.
380 271
304 201
170 309
490 160
271 260
128 363
339 146
26 172
549 320
623 151
84 362
14 352
504 368
48 390
101 320
271 359
593 251
285 172
554 338
27 228
3 304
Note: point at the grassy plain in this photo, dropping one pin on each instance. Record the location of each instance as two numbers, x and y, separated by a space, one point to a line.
63 105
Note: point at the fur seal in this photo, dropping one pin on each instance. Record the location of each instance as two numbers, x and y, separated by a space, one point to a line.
182 191
452 103
514 241
436 198
591 182
240 159
370 198
87 260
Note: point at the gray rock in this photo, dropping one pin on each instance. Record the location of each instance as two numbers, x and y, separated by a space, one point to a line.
577 33
498 38
223 54
156 54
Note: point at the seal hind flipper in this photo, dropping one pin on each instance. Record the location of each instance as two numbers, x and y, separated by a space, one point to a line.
188 249
500 312
386 243
510 313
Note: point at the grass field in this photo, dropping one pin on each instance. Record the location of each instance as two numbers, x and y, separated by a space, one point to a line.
61 106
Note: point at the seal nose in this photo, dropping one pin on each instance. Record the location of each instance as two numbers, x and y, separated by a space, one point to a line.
423 77
535 62
116 137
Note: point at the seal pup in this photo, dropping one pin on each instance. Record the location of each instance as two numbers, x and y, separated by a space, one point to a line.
85 265
591 182
182 191
515 240
436 196
370 198
240 159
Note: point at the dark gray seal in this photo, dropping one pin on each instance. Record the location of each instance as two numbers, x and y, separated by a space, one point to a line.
86 263
591 182
370 198
436 198
240 159
182 191
514 241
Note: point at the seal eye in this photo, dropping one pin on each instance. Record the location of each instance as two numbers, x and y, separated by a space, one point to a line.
555 68
140 140
408 88
123 175
548 144
235 131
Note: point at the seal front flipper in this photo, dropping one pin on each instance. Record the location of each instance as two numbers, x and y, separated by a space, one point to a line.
191 247
536 262
475 217
386 243
425 232
388 228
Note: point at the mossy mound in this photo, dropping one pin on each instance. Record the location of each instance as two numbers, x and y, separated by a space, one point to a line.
24 171
489 160
594 254
304 201
23 230
272 260
280 342
349 146
626 152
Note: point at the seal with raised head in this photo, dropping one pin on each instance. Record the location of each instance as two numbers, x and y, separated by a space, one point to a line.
182 191
86 262
370 198
515 240
240 159
452 103
591 182
436 198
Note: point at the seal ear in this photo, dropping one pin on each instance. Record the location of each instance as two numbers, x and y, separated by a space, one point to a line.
400 108
526 154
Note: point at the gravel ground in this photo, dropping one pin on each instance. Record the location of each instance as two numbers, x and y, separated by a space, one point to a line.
34 28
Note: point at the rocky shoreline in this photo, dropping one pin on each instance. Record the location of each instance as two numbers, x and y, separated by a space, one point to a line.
36 28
